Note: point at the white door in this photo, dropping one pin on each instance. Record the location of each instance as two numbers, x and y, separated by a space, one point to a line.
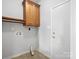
60 32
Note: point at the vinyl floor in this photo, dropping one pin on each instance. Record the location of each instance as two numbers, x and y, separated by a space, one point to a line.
37 55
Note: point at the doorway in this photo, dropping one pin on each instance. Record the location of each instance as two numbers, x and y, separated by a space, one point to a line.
60 32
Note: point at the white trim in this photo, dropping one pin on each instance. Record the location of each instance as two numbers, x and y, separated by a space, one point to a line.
73 30
61 4
41 51
19 54
6 57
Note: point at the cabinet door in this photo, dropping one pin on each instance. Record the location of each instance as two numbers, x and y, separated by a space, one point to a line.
37 16
29 14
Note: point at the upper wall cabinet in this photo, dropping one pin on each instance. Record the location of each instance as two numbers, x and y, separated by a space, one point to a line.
31 14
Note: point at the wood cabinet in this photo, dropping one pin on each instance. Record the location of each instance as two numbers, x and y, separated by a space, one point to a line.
31 14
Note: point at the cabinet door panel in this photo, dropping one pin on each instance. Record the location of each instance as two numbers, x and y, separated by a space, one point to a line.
37 16
31 14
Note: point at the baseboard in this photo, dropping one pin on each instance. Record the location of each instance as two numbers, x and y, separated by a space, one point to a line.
44 53
19 54
7 57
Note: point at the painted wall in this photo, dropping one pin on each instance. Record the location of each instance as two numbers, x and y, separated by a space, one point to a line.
12 8
45 29
36 1
14 43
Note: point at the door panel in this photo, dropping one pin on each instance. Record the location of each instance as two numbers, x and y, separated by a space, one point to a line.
60 36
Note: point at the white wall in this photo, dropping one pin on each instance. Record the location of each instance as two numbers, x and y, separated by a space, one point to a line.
45 29
15 44
12 8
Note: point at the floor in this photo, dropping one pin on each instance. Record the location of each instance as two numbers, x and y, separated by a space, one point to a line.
37 55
